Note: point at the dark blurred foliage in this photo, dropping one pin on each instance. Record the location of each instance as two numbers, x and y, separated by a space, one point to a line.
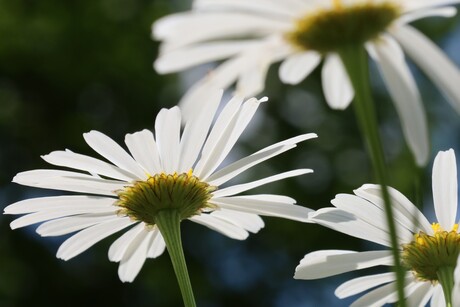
67 67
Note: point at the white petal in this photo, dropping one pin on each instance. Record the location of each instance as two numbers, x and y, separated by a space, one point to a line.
42 216
135 256
184 58
412 5
86 238
350 224
236 189
444 181
288 8
68 181
167 134
57 202
406 97
86 163
421 295
229 137
183 29
431 12
384 294
360 284
327 263
71 224
337 86
456 289
120 245
432 61
405 212
196 130
371 214
144 149
219 78
438 297
219 225
248 221
157 246
223 175
298 66
113 152
267 207
219 132
252 80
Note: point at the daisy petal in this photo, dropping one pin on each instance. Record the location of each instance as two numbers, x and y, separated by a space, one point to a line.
444 181
222 226
135 256
41 216
71 224
236 189
361 284
86 238
385 294
337 87
196 130
57 203
68 181
184 58
438 297
229 137
432 61
89 164
351 225
144 149
327 263
167 135
113 152
223 175
120 245
368 213
421 295
406 97
157 246
248 221
405 212
298 66
267 207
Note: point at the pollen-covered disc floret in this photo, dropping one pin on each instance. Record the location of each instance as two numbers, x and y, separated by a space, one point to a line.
428 253
183 192
340 26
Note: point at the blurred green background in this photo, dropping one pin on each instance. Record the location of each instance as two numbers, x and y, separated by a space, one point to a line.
67 67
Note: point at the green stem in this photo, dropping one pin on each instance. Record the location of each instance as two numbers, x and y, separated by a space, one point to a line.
446 279
356 63
168 221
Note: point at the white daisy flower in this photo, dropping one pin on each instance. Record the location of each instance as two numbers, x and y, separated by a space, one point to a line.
429 252
169 169
251 35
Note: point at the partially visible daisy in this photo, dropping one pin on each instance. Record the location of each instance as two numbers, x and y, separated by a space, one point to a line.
168 170
429 252
251 35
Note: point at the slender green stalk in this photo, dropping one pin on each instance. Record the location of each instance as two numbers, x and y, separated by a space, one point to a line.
356 63
168 221
446 279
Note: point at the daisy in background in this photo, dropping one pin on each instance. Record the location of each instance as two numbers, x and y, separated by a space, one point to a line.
429 252
251 35
164 178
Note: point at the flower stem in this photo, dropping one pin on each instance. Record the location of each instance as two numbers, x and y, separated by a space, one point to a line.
356 63
446 279
168 221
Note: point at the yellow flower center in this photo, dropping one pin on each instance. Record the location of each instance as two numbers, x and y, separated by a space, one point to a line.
342 25
182 192
426 255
